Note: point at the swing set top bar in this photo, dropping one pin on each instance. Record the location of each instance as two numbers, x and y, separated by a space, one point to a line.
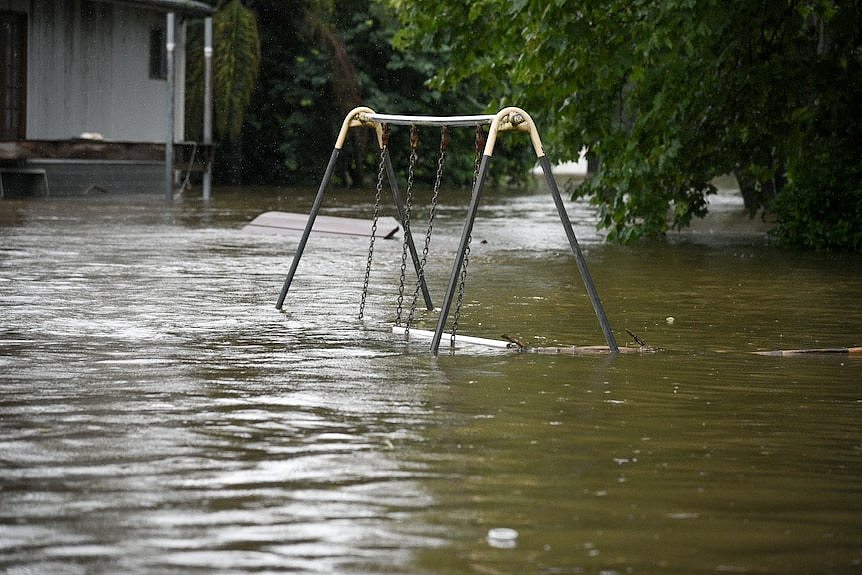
507 119
403 120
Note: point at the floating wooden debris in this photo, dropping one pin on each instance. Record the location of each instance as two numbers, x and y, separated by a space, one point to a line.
814 351
585 350
287 222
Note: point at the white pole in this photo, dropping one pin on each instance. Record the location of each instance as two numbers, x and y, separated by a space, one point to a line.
169 139
208 103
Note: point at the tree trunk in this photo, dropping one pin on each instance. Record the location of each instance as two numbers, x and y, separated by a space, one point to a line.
757 194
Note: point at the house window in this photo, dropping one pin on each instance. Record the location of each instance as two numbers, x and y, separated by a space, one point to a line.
158 54
13 75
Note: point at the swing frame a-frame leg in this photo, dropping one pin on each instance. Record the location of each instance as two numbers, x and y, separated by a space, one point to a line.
353 120
516 119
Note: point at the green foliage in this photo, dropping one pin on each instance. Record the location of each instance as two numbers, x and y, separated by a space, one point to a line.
667 94
286 137
236 62
320 60
821 205
819 210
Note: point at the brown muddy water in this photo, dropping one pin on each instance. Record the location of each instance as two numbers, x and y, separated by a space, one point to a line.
158 415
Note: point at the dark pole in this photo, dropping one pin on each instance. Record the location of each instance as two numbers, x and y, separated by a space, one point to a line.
399 205
459 259
318 200
579 256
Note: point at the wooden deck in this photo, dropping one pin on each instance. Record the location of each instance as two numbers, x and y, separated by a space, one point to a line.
82 165
19 152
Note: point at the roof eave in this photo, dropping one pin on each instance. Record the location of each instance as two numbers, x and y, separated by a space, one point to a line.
191 7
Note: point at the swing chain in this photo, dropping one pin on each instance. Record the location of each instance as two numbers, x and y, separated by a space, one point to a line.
480 146
435 196
378 193
462 279
408 200
435 201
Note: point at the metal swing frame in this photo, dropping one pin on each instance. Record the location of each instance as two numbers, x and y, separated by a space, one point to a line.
507 119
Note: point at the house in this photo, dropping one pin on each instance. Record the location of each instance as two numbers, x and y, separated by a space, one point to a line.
84 95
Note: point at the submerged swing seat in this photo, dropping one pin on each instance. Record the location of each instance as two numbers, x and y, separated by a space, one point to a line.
507 119
291 223
513 345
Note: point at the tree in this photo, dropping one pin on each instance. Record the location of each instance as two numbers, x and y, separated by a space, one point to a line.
318 59
236 63
262 120
321 58
671 94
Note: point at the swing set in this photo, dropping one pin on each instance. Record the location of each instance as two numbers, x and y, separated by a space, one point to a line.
508 119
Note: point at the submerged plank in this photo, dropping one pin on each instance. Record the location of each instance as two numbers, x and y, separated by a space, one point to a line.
287 222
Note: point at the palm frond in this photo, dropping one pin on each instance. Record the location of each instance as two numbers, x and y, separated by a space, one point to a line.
236 63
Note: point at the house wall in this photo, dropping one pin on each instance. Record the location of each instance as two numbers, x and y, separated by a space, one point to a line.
88 71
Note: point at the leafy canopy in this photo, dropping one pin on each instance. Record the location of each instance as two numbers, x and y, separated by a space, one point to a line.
671 94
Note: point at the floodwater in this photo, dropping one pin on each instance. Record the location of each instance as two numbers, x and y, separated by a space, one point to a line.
158 415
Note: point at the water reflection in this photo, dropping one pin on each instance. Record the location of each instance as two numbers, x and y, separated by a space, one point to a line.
158 415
